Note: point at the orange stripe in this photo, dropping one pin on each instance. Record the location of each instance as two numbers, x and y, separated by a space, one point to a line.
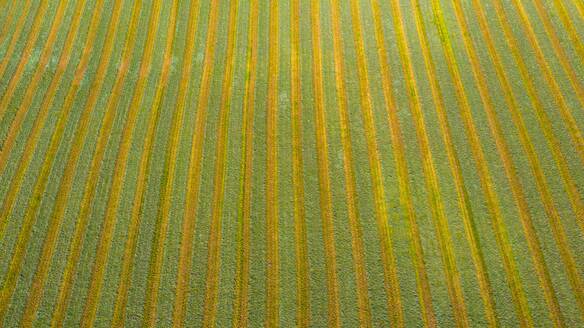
272 242
350 184
194 173
11 14
27 53
156 257
23 236
323 172
569 26
552 35
89 190
302 263
32 36
67 180
31 89
455 168
119 314
240 311
214 243
558 96
434 198
543 119
391 280
542 187
109 220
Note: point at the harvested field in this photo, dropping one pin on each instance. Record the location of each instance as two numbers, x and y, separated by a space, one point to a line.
326 163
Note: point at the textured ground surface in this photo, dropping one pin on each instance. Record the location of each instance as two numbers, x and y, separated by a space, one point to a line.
311 163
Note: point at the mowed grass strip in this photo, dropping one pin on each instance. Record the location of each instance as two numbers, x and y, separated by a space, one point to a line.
24 162
194 171
95 166
30 219
468 216
242 271
40 66
18 30
11 14
432 184
272 242
558 95
24 107
57 214
32 36
109 220
518 294
167 181
543 119
537 171
560 52
214 243
32 86
394 305
323 171
119 314
569 26
300 234
349 174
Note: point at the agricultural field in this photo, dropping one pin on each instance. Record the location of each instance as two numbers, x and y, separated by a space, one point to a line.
310 163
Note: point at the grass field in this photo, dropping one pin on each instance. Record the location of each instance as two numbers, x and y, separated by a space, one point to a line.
312 163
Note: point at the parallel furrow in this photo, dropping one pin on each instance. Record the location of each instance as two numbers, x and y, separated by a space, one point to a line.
540 180
456 170
30 218
32 36
167 183
242 273
214 243
322 158
39 70
120 304
194 172
394 305
302 261
109 220
98 155
272 235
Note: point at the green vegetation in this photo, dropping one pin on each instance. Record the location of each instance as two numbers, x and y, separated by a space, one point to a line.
292 163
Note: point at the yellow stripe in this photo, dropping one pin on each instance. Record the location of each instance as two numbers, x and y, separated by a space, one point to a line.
439 218
11 14
26 55
109 220
455 168
240 311
552 35
350 184
214 243
542 187
32 36
273 258
326 207
67 180
89 190
31 89
543 119
119 314
390 271
27 225
569 26
194 173
302 263
565 109
156 257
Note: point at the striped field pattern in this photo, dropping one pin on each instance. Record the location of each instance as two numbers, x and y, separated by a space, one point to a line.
293 163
